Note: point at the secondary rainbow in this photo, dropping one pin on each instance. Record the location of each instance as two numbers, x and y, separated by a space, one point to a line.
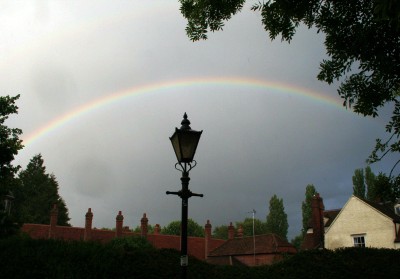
266 86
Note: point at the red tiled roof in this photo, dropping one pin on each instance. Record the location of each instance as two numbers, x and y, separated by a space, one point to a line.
330 215
264 244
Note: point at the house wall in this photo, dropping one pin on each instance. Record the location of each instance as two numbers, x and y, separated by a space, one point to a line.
358 218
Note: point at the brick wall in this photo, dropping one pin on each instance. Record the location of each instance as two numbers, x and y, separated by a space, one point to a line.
196 245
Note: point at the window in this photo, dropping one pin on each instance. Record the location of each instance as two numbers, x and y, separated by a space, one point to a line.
359 241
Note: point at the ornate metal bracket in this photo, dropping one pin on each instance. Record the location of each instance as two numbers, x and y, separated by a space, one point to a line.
186 167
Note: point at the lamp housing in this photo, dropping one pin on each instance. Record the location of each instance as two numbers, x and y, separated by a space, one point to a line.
185 141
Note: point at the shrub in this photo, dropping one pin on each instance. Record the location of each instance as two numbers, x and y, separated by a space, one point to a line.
131 243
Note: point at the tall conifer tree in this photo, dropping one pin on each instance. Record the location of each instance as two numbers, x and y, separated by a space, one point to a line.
37 193
358 183
277 218
306 206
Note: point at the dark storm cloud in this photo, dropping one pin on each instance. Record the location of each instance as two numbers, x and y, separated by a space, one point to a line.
255 143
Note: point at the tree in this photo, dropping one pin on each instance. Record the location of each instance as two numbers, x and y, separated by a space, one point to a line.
306 207
396 187
247 226
10 143
380 188
174 228
221 232
138 229
362 41
369 183
358 183
297 241
383 190
37 193
277 218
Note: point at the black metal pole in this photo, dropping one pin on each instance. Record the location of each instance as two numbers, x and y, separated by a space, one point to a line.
184 194
184 222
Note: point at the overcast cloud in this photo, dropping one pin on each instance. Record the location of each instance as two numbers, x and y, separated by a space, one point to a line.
62 55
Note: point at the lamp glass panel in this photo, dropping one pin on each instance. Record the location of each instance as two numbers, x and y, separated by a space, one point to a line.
188 145
175 145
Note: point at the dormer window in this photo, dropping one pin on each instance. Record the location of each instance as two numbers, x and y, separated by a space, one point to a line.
359 240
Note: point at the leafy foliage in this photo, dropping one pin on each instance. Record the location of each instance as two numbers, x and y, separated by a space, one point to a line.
150 229
221 232
37 193
10 143
174 228
27 258
362 41
369 183
131 243
384 189
381 188
297 241
260 227
277 218
358 183
204 15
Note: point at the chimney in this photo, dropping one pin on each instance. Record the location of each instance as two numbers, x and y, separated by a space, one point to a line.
53 221
240 231
143 225
119 220
88 225
207 236
231 231
317 207
157 229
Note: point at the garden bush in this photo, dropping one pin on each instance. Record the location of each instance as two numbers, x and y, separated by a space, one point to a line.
22 257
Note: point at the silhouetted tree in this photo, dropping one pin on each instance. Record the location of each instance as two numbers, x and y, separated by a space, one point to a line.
10 144
369 183
221 232
247 226
37 193
277 218
383 189
174 228
297 241
306 207
358 183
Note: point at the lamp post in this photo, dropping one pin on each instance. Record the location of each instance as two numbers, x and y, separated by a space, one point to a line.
7 200
184 141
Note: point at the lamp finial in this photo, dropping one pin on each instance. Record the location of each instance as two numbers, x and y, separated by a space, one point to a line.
185 123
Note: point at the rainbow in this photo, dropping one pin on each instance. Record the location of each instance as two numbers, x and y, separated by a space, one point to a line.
90 107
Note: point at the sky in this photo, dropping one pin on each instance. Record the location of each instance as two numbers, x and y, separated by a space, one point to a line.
103 85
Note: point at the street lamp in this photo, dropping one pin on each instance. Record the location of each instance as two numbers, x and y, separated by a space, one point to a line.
7 200
184 141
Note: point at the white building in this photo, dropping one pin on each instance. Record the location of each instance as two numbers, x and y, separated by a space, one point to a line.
362 223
